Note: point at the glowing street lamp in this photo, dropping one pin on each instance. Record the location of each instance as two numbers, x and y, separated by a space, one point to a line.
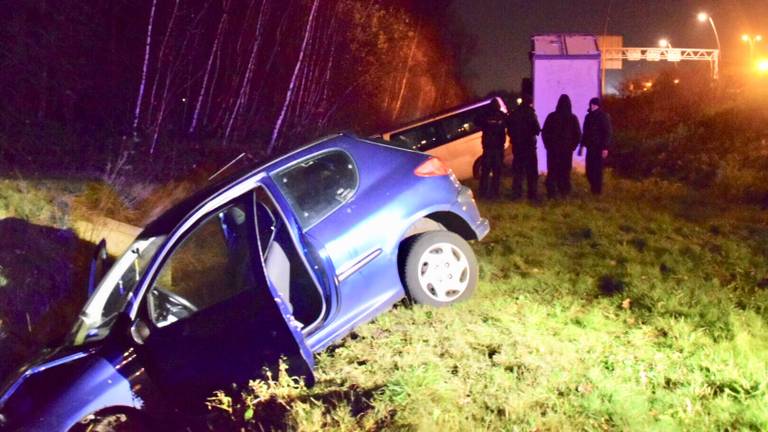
751 40
762 66
704 17
664 43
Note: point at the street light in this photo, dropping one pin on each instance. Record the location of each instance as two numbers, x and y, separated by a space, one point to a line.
703 17
762 66
751 40
664 43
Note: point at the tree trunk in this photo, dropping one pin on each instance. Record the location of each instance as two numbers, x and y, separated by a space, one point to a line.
396 112
292 84
137 112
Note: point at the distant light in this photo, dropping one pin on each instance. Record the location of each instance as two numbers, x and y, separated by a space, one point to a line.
519 101
758 38
648 84
676 81
702 16
183 99
745 38
762 66
663 43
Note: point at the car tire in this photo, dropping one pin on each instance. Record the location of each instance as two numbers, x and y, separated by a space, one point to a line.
439 269
115 422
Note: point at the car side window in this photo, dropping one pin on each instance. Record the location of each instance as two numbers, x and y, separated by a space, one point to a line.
460 125
317 186
209 266
422 138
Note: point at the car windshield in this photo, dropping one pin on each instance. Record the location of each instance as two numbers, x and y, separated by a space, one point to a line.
114 290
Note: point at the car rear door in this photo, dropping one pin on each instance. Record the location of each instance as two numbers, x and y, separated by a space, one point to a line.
211 318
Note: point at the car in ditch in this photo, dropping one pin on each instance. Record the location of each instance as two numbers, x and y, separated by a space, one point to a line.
278 262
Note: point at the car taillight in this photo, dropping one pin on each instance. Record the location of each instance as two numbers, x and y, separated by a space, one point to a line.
432 167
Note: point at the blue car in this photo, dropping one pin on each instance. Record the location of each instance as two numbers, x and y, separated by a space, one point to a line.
279 262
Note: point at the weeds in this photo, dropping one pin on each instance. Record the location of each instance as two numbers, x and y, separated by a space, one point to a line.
621 313
644 309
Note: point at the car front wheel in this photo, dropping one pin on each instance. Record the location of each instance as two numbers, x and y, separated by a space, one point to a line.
440 269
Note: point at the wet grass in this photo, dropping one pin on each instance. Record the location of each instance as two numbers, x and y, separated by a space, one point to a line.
644 309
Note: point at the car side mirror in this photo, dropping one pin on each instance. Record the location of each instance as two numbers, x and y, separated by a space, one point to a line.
139 331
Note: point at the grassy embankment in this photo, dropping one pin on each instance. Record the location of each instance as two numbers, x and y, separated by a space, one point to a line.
643 310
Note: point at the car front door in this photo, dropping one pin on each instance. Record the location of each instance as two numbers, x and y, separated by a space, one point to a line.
210 317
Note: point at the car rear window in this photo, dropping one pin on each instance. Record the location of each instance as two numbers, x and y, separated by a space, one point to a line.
317 186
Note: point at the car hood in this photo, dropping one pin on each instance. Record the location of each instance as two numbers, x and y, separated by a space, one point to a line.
60 386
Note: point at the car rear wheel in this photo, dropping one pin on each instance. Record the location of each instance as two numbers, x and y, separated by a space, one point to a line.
440 269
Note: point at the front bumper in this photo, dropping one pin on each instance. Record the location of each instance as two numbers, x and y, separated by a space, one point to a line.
482 228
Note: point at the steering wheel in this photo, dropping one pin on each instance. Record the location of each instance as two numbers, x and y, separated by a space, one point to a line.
167 307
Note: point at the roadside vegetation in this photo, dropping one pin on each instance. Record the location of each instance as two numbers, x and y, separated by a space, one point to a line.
688 129
642 310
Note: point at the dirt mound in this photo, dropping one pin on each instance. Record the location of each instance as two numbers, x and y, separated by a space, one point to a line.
43 276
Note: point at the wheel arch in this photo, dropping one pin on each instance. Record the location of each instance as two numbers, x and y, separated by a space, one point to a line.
454 223
132 412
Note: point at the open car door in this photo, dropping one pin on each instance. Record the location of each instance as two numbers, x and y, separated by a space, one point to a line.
210 317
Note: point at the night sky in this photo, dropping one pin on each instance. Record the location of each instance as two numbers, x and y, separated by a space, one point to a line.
502 29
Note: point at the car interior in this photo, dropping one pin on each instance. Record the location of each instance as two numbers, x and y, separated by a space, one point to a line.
284 266
211 265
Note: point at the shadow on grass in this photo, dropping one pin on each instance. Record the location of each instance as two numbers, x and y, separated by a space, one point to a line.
43 274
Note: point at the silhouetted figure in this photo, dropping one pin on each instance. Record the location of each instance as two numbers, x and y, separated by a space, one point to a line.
561 135
597 138
493 125
523 127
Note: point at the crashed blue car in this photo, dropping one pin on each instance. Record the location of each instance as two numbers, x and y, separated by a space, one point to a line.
278 262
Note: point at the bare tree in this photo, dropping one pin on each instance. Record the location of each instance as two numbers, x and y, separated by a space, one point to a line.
292 84
143 83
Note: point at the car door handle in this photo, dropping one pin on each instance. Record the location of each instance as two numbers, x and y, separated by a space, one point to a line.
357 264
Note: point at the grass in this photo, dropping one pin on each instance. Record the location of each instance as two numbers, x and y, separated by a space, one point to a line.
644 309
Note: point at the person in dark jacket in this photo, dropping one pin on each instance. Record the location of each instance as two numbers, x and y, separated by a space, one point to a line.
493 125
523 127
561 135
596 139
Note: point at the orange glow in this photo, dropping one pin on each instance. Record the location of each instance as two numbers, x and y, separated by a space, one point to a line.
762 66
702 16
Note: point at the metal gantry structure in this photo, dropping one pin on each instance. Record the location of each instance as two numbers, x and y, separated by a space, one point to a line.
664 54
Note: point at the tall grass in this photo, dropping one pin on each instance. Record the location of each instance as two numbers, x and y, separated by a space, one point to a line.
644 309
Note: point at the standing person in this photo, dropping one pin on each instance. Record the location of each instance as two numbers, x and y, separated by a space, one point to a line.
597 138
493 125
561 135
523 127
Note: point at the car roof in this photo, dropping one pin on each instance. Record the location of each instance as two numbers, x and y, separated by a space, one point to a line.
169 219
443 114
